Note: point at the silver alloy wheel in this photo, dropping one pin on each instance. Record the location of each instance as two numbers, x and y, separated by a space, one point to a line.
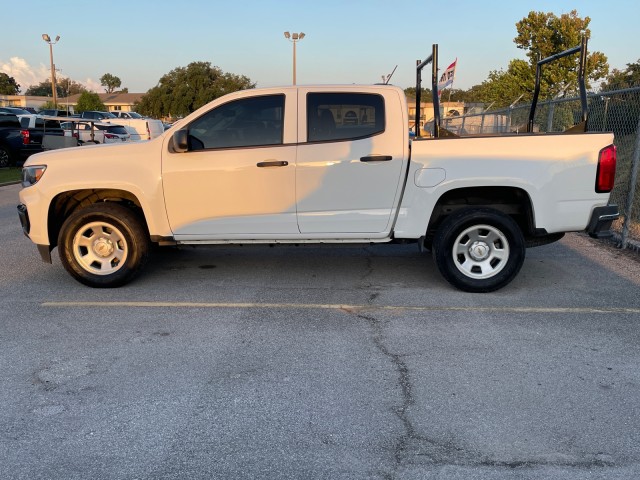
100 248
481 251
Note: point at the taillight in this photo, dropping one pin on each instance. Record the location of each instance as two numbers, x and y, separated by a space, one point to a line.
25 136
606 169
110 135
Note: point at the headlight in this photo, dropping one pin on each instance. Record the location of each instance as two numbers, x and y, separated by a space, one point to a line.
32 174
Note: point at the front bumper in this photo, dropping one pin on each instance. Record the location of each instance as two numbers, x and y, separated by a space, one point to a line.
43 250
24 219
601 220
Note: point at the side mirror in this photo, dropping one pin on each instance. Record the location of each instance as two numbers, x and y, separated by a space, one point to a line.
181 141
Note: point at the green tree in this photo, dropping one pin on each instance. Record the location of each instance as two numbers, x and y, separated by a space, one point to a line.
89 101
544 34
618 112
425 93
541 35
48 105
619 79
43 89
502 88
68 87
64 87
110 82
185 89
8 85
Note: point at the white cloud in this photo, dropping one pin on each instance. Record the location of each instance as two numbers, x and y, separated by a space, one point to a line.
24 74
93 86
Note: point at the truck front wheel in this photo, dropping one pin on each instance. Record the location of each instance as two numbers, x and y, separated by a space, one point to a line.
479 249
103 245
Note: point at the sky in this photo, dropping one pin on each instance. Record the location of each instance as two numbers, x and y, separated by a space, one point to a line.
346 41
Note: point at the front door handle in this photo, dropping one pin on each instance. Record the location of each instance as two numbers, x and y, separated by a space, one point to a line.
376 158
274 163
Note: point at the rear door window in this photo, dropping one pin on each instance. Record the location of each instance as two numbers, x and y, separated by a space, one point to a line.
344 116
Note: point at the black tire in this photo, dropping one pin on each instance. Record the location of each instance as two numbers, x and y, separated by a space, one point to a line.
103 245
479 249
5 157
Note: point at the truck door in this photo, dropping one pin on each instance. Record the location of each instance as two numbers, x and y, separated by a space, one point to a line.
350 161
237 179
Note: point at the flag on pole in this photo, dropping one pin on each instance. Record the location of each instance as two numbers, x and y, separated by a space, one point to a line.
447 76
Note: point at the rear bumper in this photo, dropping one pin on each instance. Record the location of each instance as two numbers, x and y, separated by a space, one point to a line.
601 220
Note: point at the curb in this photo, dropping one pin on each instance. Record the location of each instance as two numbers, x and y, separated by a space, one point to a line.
10 183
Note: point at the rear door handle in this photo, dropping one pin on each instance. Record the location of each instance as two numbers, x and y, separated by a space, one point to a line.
274 163
376 158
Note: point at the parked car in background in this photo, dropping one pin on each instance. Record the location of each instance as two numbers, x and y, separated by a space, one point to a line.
36 121
15 111
22 137
94 132
140 128
18 112
96 115
55 113
128 115
10 139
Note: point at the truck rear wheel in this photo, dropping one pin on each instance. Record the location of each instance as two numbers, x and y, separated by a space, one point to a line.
479 249
103 245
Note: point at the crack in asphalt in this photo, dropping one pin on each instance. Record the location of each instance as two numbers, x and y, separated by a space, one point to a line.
403 443
411 445
404 381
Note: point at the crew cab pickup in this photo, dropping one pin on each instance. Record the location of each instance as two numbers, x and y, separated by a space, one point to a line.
139 128
317 164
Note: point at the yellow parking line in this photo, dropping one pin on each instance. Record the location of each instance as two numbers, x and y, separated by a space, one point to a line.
320 306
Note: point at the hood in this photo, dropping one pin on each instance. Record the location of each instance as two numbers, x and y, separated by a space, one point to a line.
94 153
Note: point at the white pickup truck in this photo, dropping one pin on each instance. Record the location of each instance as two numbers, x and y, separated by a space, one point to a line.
317 164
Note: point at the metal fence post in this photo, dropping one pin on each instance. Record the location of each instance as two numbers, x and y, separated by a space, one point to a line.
632 189
552 107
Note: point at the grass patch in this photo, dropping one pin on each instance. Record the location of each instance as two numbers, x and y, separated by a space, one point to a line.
11 174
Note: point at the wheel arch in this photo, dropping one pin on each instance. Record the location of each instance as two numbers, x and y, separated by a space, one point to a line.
65 203
512 201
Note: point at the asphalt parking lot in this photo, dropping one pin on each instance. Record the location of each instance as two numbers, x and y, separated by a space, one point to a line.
329 363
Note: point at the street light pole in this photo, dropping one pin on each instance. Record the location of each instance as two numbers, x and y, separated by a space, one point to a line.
294 38
51 43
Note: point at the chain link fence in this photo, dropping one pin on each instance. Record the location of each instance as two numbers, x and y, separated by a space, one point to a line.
617 111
